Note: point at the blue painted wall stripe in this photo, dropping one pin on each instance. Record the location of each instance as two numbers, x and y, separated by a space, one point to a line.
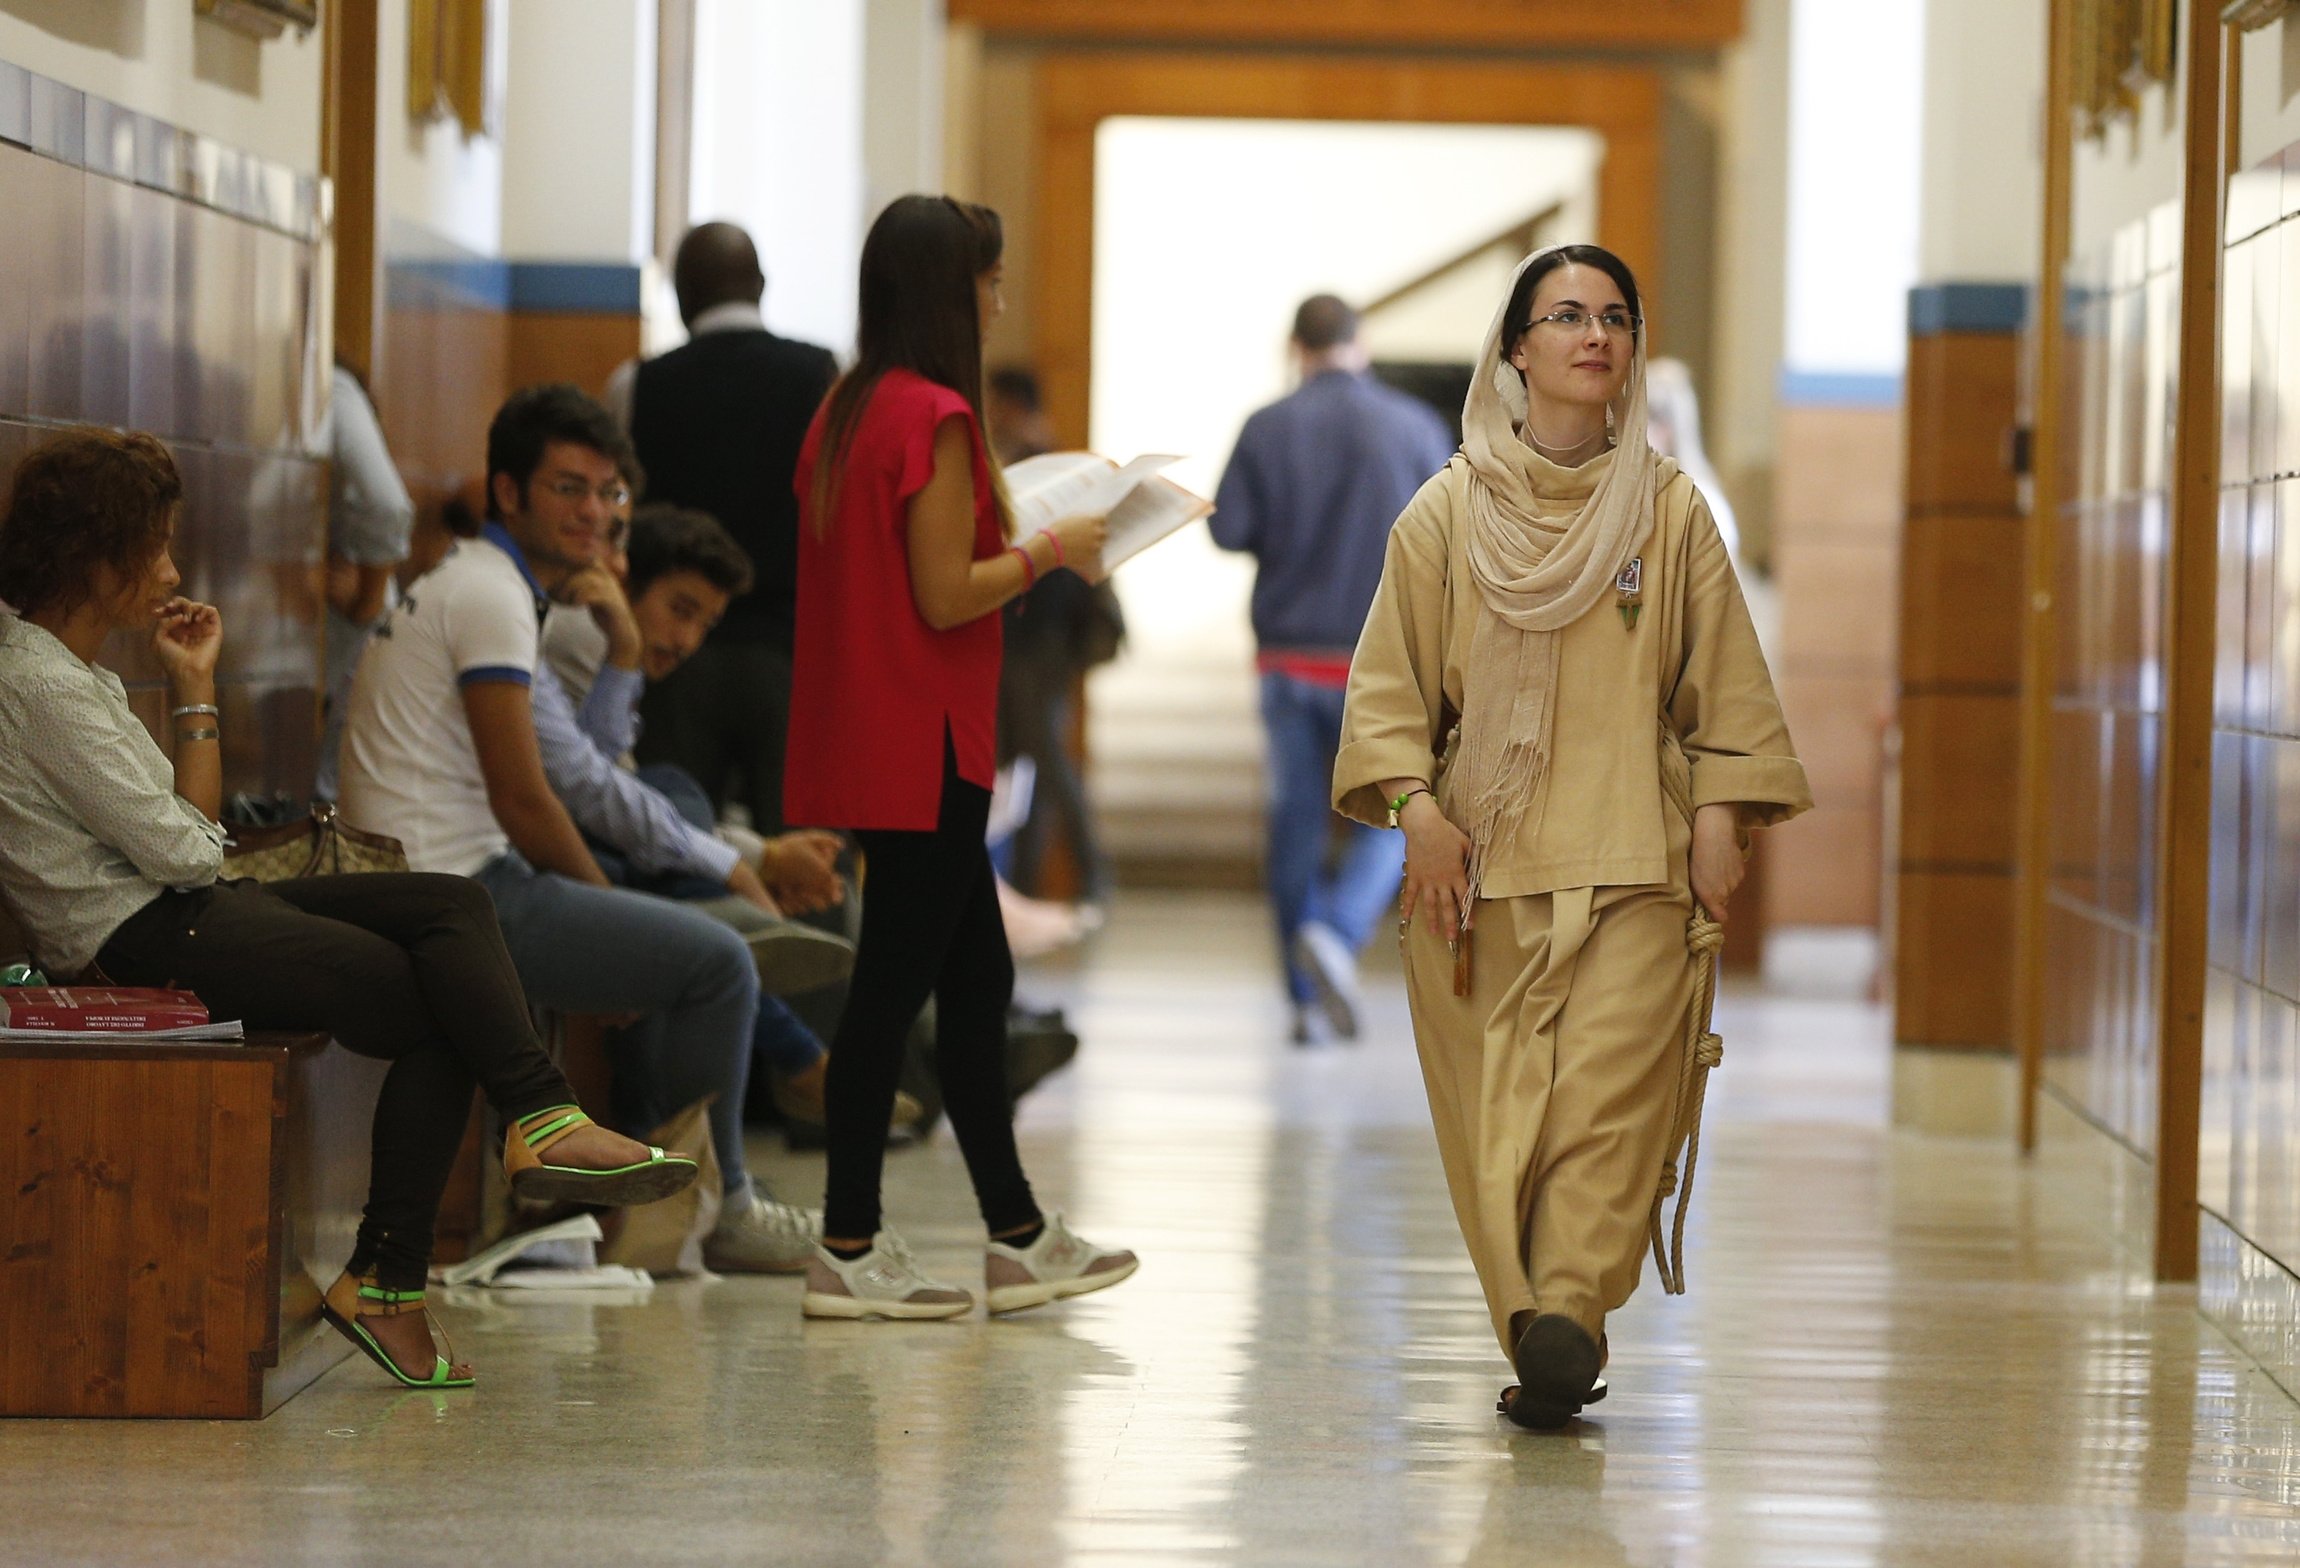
1967 307
482 283
1838 389
602 288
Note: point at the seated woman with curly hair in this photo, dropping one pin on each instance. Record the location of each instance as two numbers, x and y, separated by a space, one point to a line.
110 856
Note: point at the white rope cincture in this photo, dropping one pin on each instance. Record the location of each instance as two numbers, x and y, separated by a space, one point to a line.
1704 1049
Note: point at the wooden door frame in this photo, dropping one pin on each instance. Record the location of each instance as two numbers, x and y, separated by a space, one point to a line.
350 159
1077 91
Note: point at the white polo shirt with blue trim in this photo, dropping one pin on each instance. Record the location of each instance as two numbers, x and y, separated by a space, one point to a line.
410 768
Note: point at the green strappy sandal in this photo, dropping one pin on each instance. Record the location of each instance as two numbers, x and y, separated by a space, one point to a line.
524 1144
356 1296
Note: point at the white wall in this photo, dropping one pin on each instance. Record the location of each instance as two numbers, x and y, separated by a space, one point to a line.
1983 183
2129 172
579 130
1854 107
2271 93
159 58
438 184
779 149
903 81
1752 228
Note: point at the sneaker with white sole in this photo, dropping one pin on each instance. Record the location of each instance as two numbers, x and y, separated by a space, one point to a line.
758 1235
884 1282
1059 1263
1325 957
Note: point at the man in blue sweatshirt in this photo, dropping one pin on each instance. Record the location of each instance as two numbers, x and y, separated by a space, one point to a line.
1316 481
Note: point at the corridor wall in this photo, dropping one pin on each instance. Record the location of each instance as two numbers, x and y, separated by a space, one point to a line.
2249 1143
2107 704
2103 1055
159 280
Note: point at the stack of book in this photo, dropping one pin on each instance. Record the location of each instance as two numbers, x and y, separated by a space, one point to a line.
86 1014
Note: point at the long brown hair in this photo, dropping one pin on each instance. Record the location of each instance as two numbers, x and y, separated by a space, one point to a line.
917 312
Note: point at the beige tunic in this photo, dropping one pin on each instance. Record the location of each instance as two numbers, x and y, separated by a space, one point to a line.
1681 703
1551 1085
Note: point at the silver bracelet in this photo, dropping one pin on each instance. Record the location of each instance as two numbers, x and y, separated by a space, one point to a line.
209 733
191 708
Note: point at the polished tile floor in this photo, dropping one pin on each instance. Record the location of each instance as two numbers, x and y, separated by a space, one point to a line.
1897 1350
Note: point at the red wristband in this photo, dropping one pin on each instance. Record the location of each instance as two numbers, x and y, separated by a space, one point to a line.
1029 567
1054 539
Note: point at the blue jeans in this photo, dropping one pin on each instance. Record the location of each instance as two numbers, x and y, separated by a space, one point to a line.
584 949
782 1041
1346 880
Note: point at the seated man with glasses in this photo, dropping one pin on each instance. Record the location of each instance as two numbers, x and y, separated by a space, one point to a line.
440 752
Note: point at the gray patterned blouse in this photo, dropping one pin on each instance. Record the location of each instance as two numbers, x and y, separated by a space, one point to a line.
91 826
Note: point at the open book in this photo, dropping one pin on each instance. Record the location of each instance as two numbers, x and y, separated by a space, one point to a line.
1144 506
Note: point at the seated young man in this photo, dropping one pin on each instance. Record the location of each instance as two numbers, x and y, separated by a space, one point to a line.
440 752
642 835
615 629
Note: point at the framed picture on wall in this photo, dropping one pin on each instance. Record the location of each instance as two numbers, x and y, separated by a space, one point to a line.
262 18
2250 14
2122 48
447 75
2157 45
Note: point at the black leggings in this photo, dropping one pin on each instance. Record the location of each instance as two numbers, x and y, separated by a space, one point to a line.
930 926
410 969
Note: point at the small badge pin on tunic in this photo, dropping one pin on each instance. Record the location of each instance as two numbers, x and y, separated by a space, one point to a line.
1630 586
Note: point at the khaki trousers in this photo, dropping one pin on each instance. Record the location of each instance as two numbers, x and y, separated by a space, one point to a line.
1552 1086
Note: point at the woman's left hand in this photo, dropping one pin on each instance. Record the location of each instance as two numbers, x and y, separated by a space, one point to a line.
1718 864
187 639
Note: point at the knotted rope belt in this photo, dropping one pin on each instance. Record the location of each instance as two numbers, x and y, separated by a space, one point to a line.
1703 1050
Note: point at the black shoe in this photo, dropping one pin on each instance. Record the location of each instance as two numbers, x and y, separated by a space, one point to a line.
1037 1045
1556 1363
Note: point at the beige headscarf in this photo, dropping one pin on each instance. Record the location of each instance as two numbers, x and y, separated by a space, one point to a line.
1536 576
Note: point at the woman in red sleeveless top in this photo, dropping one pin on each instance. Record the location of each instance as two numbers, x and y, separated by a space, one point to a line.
906 555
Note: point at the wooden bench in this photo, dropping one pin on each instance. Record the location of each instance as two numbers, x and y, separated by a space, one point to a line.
168 1217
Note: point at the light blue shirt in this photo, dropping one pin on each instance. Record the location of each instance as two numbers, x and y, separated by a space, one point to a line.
613 806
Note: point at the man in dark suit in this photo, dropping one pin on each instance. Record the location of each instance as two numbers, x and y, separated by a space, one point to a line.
718 424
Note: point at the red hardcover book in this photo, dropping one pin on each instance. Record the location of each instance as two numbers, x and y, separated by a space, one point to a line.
128 1009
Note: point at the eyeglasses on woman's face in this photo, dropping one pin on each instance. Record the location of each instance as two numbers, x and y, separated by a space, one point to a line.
1617 323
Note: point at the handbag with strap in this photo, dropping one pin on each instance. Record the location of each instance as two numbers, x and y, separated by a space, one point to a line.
321 845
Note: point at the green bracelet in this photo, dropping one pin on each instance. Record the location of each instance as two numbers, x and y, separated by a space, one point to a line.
1399 804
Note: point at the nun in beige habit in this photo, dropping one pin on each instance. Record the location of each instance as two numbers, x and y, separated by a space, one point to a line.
1560 699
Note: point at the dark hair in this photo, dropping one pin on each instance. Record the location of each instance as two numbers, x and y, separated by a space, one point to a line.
1019 387
456 516
1519 316
667 539
84 500
534 417
716 264
1323 322
916 312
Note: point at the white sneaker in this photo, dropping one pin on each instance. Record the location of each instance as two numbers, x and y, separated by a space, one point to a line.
1333 969
1059 1263
758 1235
884 1282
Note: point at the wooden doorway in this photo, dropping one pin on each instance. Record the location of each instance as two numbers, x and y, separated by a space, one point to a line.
1077 91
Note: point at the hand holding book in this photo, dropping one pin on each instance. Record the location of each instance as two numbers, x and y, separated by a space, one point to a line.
1139 504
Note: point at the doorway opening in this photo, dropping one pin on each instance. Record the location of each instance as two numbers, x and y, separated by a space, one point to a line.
1207 234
